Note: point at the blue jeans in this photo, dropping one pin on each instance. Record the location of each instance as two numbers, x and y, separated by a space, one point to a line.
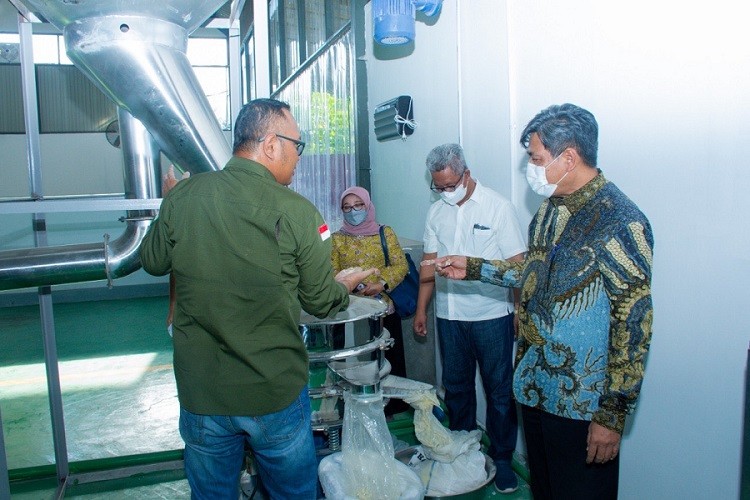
489 343
282 445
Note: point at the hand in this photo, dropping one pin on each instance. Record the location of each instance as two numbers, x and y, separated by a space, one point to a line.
602 444
372 289
451 267
352 276
169 180
419 324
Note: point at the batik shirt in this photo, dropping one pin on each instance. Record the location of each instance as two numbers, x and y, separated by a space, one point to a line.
585 313
367 251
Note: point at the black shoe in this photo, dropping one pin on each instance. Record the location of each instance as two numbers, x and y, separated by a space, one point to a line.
505 479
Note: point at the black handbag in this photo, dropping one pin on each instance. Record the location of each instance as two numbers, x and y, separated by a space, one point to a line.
404 295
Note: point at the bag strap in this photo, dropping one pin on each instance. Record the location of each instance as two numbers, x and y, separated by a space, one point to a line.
384 245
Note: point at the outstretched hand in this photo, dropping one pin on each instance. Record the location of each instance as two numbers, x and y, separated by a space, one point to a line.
353 276
451 266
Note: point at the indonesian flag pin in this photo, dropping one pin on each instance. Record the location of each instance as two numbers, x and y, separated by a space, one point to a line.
325 233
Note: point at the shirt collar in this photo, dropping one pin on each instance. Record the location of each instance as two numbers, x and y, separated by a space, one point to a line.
238 162
478 193
575 201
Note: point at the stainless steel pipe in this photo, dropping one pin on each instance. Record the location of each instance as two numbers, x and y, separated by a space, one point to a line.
95 261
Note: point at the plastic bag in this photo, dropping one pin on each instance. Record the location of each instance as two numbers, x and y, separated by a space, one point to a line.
439 443
335 487
366 467
449 462
464 474
367 448
394 386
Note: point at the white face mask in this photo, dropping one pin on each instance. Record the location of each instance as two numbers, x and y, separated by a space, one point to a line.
537 178
454 196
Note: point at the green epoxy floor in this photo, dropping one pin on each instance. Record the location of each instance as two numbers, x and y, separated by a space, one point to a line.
119 399
119 396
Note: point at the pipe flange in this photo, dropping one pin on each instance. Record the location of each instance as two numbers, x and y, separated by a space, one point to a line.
110 283
136 218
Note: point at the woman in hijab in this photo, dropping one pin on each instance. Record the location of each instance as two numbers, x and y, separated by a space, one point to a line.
358 243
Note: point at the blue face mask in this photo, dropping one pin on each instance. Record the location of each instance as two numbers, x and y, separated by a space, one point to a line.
355 217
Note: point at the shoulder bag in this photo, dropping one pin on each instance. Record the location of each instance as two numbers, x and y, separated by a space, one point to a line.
404 295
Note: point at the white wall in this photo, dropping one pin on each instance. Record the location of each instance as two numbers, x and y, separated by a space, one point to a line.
400 184
668 84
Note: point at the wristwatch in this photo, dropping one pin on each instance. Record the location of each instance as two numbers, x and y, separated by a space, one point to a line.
385 285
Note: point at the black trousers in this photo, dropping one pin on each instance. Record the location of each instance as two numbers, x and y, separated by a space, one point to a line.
556 449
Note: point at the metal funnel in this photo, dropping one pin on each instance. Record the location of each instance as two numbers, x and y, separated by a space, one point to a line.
135 53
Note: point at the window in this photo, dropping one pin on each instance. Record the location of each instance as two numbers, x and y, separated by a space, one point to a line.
210 60
321 101
49 49
310 59
248 70
81 107
298 29
315 26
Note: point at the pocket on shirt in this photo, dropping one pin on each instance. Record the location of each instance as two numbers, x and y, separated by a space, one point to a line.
481 239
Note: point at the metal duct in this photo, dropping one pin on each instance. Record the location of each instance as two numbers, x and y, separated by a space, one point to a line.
140 63
95 261
135 53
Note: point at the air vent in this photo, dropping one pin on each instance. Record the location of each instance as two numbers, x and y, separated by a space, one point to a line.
9 53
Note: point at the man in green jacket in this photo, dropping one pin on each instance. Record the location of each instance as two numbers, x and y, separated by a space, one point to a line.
247 254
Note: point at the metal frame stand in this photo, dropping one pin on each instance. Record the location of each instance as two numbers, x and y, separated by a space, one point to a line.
31 118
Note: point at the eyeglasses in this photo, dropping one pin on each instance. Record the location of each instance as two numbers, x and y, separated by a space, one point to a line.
357 206
300 145
447 189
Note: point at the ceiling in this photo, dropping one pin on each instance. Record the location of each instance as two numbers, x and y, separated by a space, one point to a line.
9 17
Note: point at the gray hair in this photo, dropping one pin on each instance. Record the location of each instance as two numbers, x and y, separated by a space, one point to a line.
254 121
447 156
565 126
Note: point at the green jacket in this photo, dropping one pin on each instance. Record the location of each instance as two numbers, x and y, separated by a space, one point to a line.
246 253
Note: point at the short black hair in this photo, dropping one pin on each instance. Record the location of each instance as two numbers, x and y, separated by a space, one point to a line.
254 122
565 126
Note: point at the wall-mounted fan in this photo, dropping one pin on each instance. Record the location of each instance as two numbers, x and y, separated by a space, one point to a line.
113 133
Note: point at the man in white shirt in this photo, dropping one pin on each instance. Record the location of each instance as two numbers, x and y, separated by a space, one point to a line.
474 319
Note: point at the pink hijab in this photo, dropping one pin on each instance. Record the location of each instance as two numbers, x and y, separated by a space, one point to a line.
369 226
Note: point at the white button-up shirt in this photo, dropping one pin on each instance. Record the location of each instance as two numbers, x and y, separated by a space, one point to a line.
484 226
